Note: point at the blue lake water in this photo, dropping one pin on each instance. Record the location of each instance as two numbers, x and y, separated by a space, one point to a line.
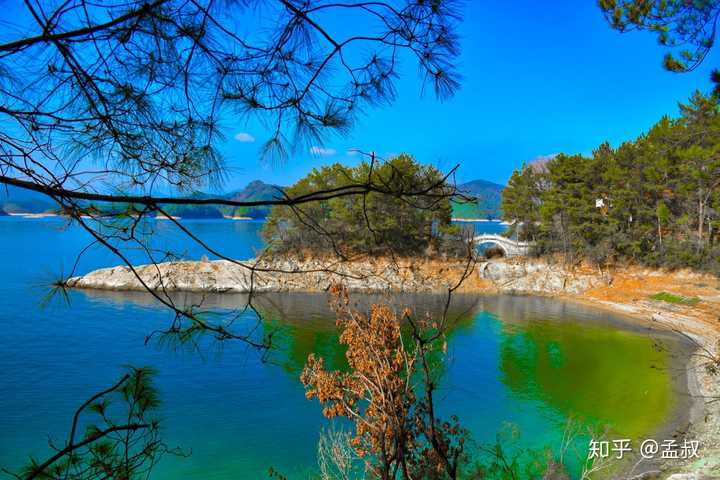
527 361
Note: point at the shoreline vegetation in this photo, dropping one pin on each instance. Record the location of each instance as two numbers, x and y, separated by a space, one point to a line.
654 200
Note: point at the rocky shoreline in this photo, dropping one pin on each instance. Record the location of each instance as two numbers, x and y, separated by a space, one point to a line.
277 275
370 275
626 290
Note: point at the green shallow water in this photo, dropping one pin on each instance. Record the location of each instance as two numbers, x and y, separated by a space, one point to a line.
529 362
593 372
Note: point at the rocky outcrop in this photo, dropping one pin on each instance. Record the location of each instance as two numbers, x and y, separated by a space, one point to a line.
370 275
276 275
535 277
218 276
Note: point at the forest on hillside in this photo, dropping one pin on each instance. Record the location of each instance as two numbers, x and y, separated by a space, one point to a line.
654 200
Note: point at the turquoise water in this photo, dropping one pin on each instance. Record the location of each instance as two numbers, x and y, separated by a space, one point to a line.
528 361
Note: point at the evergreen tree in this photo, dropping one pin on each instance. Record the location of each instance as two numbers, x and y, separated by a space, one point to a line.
521 201
388 221
653 200
700 153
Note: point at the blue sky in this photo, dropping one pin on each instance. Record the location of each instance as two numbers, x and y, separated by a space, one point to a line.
539 78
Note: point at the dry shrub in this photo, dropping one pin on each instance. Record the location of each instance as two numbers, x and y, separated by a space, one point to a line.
387 393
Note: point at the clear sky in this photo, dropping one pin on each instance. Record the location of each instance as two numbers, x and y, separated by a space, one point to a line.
539 78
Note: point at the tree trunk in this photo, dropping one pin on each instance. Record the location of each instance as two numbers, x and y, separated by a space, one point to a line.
701 221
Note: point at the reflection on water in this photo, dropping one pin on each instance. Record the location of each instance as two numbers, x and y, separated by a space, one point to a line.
302 323
618 376
529 361
538 362
306 323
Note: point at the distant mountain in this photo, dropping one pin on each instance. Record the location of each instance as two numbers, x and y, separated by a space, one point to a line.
254 191
19 200
194 211
15 200
489 198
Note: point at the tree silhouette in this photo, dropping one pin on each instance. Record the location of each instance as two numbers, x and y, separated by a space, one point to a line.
107 107
120 438
687 28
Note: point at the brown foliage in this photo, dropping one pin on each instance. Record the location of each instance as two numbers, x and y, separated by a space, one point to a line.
387 393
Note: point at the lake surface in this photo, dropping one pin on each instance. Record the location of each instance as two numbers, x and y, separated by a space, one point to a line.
525 361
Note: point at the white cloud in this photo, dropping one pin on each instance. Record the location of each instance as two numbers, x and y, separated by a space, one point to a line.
325 152
352 152
244 137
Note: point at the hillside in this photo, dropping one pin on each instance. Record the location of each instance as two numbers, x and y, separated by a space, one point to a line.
195 211
254 191
18 200
489 196
15 200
